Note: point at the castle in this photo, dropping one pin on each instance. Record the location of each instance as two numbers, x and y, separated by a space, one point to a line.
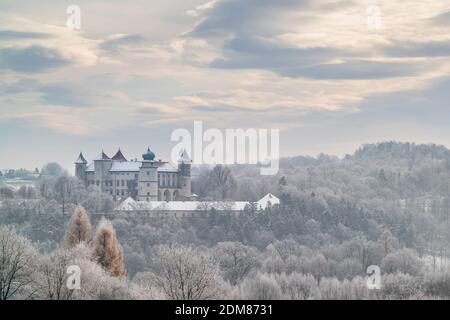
147 180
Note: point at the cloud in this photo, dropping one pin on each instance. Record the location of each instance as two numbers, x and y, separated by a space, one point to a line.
418 49
252 52
14 35
442 19
235 16
20 86
248 53
31 59
116 43
62 95
60 122
356 70
311 39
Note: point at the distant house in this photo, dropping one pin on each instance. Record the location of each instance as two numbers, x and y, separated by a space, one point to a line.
191 208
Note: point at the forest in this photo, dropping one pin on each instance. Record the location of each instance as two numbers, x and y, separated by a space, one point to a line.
387 204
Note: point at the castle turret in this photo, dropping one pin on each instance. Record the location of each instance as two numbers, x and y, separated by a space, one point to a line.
102 164
80 168
148 178
184 166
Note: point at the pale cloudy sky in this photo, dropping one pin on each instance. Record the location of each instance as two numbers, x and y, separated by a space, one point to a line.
318 70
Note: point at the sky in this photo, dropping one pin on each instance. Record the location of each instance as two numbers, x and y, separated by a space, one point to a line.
329 74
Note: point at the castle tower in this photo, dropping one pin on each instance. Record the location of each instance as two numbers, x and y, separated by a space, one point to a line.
148 178
102 164
80 168
184 166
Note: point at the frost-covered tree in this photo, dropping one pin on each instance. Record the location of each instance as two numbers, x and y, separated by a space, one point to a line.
235 260
184 274
107 249
400 286
26 192
135 262
386 240
144 287
221 181
79 229
404 261
6 193
333 289
52 169
260 287
18 265
96 282
54 275
297 286
96 201
438 284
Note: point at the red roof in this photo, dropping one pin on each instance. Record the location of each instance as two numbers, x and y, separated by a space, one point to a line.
102 156
119 156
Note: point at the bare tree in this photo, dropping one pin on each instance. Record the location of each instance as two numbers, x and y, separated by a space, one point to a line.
61 189
235 259
52 169
107 249
54 275
18 262
6 193
387 237
222 180
79 229
185 275
26 192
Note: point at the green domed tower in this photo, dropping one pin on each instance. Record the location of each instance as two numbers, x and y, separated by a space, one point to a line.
149 155
148 178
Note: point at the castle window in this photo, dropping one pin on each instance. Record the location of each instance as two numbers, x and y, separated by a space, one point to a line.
148 184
